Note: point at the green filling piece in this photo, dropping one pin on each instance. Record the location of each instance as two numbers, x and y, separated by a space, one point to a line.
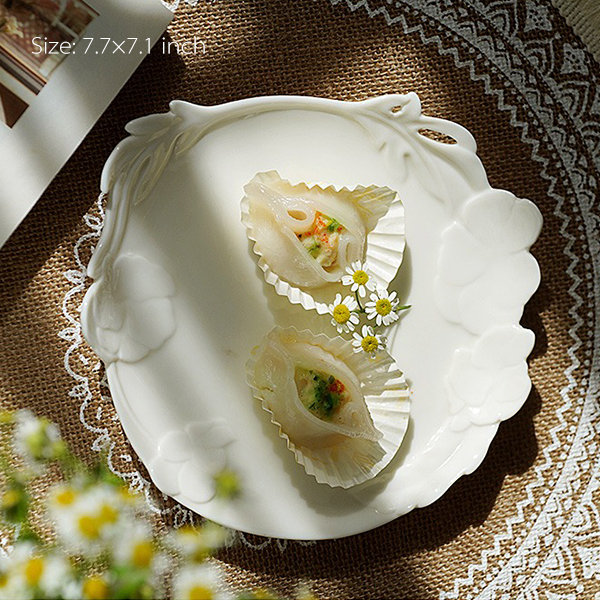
320 393
313 250
333 225
321 240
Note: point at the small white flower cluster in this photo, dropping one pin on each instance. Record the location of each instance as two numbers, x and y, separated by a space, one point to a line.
383 308
100 519
27 573
201 580
36 440
105 546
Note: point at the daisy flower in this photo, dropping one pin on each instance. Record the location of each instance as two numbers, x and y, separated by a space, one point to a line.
202 581
368 341
96 587
36 440
49 573
89 523
196 543
344 319
358 278
26 572
135 546
61 499
382 307
12 584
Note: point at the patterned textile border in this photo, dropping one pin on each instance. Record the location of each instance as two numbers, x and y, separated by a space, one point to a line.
584 17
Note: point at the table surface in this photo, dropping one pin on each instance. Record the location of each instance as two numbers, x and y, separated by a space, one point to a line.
526 523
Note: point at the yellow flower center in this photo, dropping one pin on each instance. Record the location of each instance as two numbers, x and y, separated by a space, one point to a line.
3 579
199 592
369 343
142 554
34 568
95 588
10 498
107 514
383 306
360 277
127 495
66 497
341 313
89 526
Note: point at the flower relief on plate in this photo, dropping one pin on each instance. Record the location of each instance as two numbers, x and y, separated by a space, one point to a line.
342 413
307 236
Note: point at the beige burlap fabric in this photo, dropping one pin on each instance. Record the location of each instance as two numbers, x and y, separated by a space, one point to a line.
505 528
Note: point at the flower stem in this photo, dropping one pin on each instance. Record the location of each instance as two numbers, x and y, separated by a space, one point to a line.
360 306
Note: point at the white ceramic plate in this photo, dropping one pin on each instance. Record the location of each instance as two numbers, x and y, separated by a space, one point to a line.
178 302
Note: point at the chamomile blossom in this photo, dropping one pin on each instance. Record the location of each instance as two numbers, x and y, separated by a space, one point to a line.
87 525
49 573
12 585
135 545
61 499
368 341
196 543
358 278
36 440
344 319
200 582
382 307
96 587
26 572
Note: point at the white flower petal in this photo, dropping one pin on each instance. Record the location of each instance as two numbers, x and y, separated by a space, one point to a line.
351 303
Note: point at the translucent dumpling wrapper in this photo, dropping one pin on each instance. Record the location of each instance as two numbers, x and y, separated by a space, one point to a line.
306 236
342 413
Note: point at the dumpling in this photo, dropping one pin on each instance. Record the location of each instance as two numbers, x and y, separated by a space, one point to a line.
316 398
309 235
316 390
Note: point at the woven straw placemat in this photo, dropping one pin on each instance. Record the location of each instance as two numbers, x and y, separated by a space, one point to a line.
518 78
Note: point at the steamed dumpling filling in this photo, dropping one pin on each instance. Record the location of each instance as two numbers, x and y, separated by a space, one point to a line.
322 239
320 393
